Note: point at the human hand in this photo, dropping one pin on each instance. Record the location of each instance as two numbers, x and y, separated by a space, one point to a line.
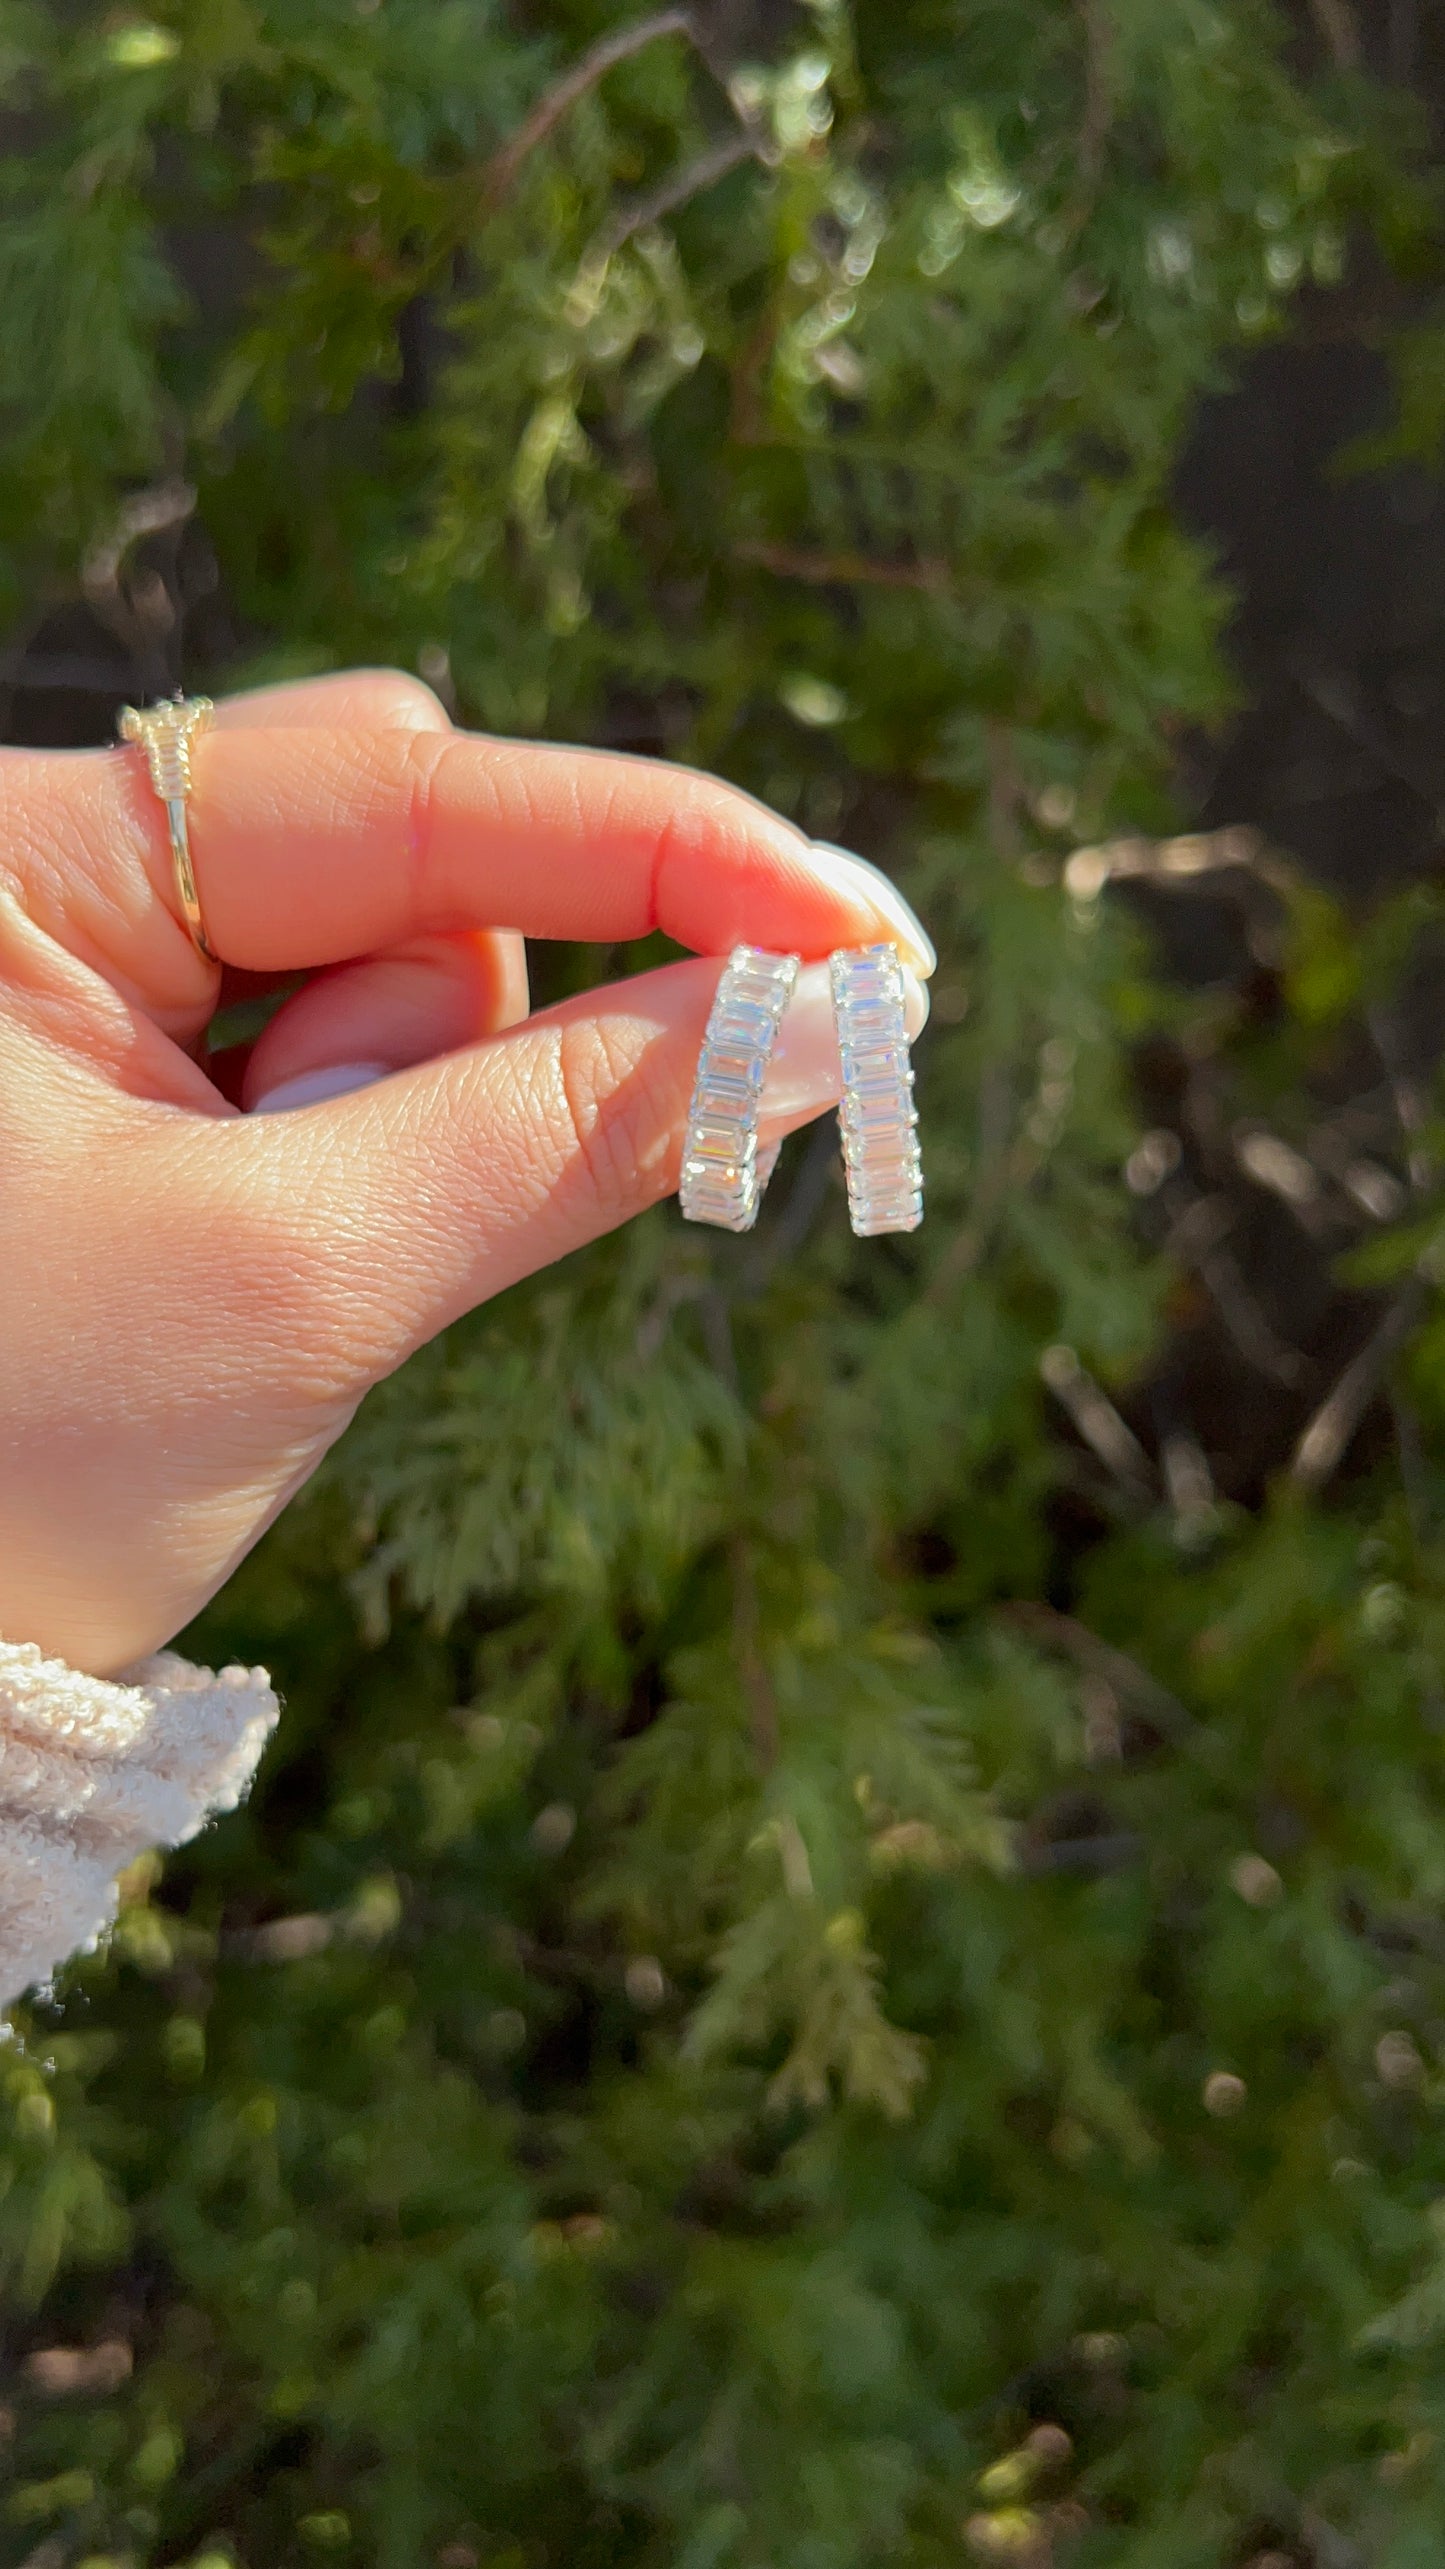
195 1298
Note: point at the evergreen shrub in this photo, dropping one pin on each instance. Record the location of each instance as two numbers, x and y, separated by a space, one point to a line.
840 1960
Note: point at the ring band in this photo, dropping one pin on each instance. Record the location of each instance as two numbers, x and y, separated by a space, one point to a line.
877 1119
722 1181
165 732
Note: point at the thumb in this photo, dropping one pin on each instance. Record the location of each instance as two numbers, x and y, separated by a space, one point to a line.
434 1189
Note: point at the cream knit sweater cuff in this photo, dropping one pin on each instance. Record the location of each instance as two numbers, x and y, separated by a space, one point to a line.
93 1771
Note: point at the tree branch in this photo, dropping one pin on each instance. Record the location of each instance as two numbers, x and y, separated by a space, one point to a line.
1222 1277
751 1665
1097 1421
784 1236
1336 22
1406 1095
150 512
1098 91
843 570
689 181
1173 860
1127 1681
500 172
1098 116
1322 1446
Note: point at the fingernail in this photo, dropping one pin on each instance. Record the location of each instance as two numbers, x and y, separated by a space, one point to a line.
805 1075
310 1087
854 874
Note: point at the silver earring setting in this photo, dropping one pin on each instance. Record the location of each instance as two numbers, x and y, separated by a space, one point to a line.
723 1174
877 1119
721 1179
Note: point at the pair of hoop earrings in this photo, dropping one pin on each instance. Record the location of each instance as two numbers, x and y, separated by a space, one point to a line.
723 1174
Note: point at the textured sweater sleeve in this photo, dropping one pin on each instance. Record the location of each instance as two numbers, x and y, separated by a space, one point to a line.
93 1771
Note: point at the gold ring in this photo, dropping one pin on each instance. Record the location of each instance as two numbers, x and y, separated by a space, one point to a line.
165 732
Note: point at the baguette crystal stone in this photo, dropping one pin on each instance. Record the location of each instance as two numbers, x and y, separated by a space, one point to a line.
165 732
722 1176
877 1118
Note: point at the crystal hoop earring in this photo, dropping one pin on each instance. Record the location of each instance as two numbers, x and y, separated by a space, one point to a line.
877 1119
722 1180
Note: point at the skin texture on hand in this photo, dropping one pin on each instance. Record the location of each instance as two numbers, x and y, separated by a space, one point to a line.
195 1298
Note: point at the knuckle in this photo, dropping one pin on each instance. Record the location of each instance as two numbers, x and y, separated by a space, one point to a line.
615 1120
404 702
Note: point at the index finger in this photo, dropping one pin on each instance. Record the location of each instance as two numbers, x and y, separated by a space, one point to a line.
314 844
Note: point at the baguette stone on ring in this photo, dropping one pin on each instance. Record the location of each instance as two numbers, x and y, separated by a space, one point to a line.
165 732
722 1181
877 1119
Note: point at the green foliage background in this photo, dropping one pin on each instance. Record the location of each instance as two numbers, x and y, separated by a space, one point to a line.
652 2078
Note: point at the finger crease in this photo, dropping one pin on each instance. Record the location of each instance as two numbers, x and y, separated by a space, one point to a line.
662 849
424 753
589 1124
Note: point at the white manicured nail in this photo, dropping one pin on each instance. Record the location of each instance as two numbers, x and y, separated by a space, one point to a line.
804 1074
855 875
312 1087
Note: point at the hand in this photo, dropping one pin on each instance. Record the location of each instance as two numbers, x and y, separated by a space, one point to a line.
194 1298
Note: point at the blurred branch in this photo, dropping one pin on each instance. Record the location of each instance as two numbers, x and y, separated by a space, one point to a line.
843 570
785 1235
1323 1444
688 182
1188 1484
138 601
1173 860
138 604
673 1293
1006 798
1414 1479
1410 1102
746 142
1341 1149
1098 89
715 1313
1098 115
1419 1508
1096 1419
1332 2550
150 512
500 173
748 406
1131 1684
1336 22
751 1665
1004 1172
1223 1280
1197 1241
1006 1165
1337 694
1274 1164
